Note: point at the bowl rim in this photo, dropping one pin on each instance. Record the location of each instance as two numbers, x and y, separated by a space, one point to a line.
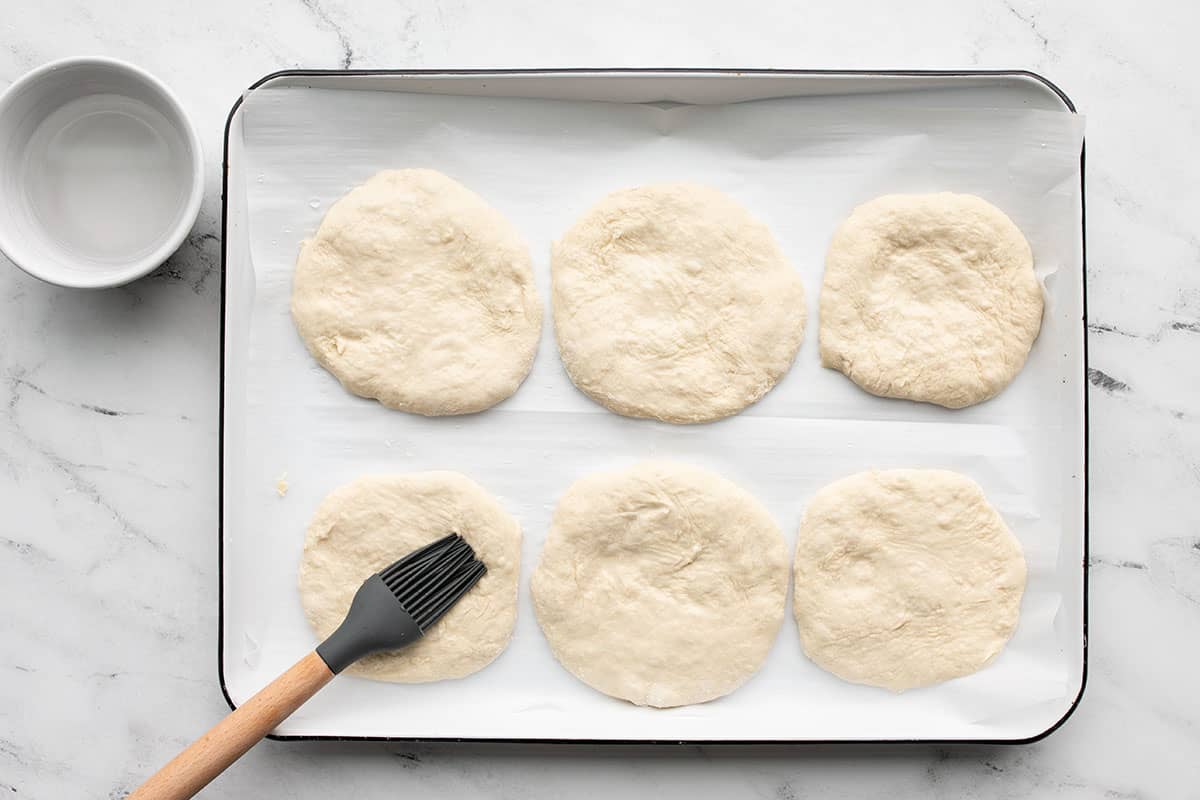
117 275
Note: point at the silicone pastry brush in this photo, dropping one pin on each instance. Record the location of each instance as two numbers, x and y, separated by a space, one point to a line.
394 607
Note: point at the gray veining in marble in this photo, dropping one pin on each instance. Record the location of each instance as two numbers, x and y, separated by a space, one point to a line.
108 407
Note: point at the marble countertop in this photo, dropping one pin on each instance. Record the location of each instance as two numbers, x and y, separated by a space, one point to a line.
108 428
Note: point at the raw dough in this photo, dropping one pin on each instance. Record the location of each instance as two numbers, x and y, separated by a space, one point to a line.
929 297
417 293
365 525
905 578
672 302
662 584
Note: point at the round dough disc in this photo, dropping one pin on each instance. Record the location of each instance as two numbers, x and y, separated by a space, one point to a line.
365 525
672 302
905 578
662 584
417 293
929 297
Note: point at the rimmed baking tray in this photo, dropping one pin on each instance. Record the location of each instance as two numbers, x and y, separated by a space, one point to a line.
800 149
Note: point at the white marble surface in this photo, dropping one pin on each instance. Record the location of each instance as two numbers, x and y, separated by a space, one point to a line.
108 425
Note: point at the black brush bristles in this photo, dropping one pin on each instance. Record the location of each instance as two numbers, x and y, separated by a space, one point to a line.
431 580
394 607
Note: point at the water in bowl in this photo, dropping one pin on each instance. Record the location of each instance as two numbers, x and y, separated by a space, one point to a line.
107 177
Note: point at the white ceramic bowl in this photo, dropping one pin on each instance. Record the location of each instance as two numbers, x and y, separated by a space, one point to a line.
101 173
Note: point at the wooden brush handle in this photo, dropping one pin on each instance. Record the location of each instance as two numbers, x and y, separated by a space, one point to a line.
229 739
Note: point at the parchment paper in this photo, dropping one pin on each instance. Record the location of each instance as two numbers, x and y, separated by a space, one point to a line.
800 165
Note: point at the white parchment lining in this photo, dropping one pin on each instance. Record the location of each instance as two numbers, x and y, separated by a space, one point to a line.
800 164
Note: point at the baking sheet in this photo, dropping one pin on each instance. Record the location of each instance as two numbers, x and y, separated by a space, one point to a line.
798 163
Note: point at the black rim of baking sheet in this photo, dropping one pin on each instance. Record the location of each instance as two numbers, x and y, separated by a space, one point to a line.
600 72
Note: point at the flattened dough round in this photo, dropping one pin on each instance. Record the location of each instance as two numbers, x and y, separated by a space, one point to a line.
672 302
662 584
929 297
905 578
417 293
367 524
